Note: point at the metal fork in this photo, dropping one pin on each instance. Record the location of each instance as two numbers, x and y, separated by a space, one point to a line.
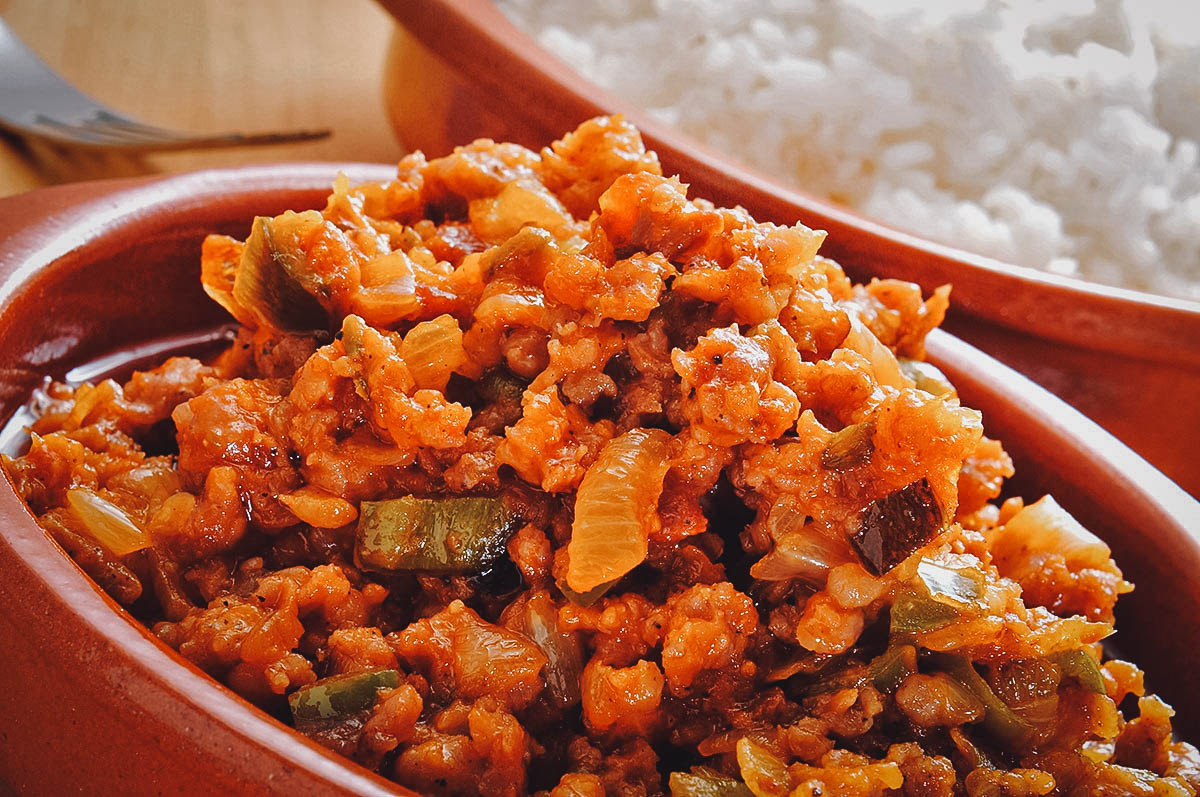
37 103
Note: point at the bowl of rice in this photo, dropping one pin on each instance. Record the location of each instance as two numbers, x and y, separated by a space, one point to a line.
514 471
1058 140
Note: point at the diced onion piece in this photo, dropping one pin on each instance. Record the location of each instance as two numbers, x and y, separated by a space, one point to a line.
849 448
958 586
340 695
765 774
1079 665
388 293
1045 527
927 377
801 551
537 618
106 522
616 509
805 554
270 281
519 203
220 257
883 363
318 508
705 782
584 599
433 350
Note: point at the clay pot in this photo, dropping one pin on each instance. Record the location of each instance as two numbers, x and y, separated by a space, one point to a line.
92 701
91 697
1130 361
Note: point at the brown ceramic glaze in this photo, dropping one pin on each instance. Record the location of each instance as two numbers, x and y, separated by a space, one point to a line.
1131 361
93 701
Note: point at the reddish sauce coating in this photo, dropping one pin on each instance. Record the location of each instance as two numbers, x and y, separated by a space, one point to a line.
693 408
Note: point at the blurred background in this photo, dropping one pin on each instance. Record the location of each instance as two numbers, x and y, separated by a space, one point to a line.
210 66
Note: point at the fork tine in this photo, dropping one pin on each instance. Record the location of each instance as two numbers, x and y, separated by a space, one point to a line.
38 103
122 126
84 134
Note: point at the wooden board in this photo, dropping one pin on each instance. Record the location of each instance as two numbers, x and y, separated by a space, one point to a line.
211 65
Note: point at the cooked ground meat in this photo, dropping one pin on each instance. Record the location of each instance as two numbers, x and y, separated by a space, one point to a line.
529 474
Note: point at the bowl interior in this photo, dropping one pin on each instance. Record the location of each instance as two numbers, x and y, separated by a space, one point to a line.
86 272
110 273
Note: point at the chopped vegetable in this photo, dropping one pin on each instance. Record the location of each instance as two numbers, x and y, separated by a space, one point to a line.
1029 686
106 522
849 448
585 599
319 508
616 509
537 618
892 528
765 774
889 669
800 551
927 377
938 596
883 362
916 614
432 350
445 534
705 782
269 282
958 585
1000 720
524 245
340 695
218 269
1040 528
1079 665
388 291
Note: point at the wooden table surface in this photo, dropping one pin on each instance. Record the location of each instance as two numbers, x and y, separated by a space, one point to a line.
211 66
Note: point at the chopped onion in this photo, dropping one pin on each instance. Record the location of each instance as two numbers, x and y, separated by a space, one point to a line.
432 350
927 377
765 774
1045 527
537 618
705 782
800 551
106 522
389 290
883 363
616 509
274 278
499 217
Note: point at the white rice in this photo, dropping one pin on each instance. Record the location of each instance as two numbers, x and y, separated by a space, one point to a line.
1060 135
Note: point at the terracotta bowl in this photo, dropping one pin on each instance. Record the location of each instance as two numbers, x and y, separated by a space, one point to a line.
92 700
1131 361
91 697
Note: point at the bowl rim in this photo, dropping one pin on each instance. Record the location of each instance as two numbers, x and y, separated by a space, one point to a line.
478 41
94 224
90 218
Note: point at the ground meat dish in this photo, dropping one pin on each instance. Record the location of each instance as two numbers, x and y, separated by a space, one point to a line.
526 473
